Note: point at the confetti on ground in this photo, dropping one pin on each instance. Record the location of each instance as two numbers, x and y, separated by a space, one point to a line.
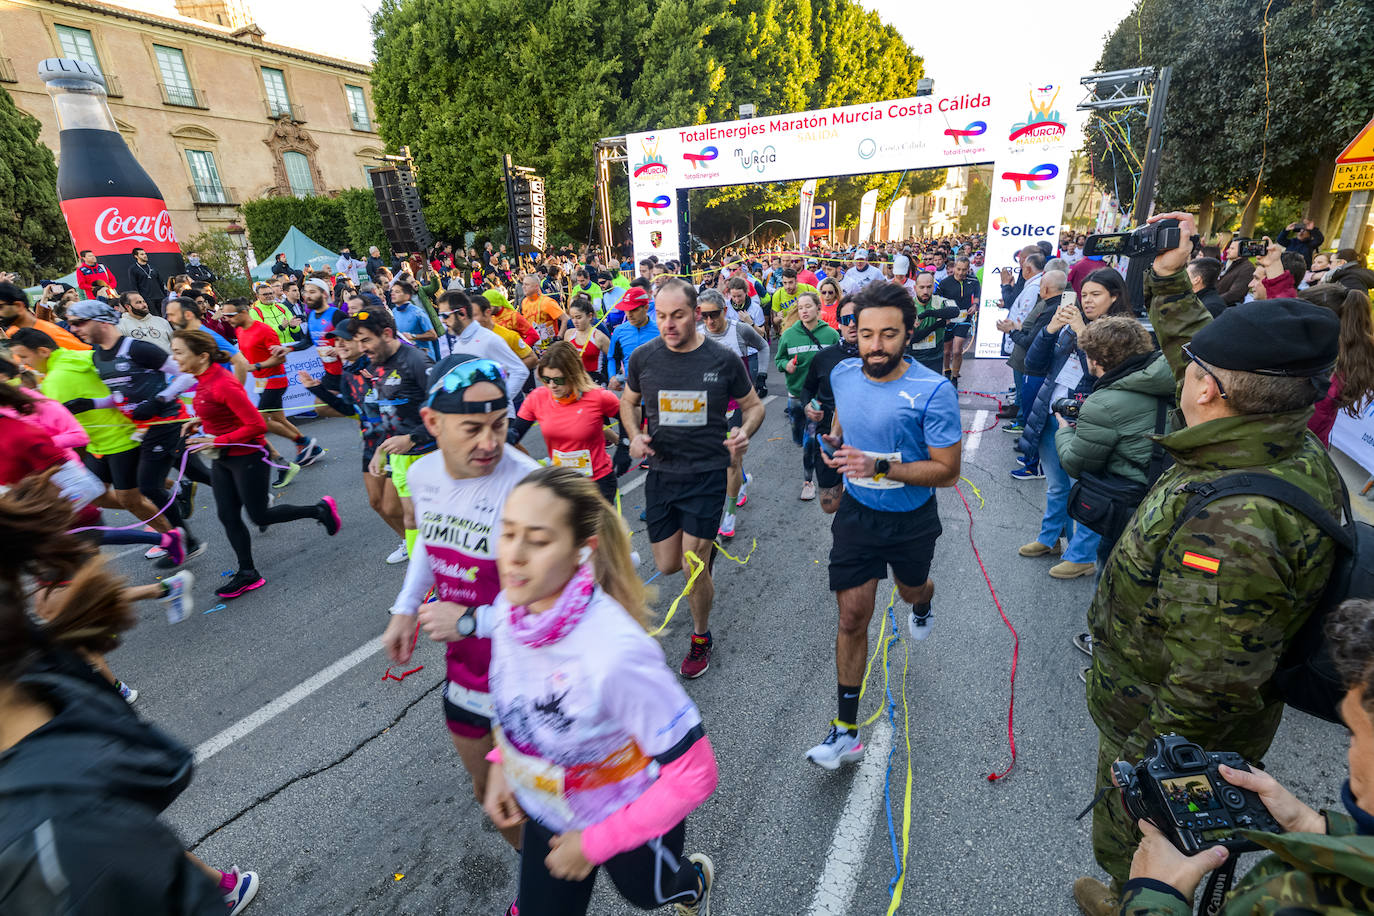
218 607
397 877
227 572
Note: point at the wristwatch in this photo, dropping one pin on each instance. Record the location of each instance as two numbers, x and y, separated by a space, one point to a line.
881 468
467 624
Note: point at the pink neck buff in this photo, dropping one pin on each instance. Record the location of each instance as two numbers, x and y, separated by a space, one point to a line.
535 630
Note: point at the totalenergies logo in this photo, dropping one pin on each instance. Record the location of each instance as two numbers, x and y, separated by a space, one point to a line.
652 166
974 129
661 202
1043 172
1043 124
111 227
706 155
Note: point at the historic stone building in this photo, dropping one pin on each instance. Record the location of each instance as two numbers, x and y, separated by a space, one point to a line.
215 114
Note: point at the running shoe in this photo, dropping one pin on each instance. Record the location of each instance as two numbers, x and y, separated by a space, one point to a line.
1014 428
1083 642
245 580
178 598
174 546
242 893
315 454
918 624
399 555
155 553
286 475
743 493
727 525
706 871
306 452
1083 673
698 657
186 497
808 490
514 908
840 746
1028 472
193 550
129 694
329 515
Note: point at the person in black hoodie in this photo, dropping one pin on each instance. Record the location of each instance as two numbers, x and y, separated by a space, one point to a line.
82 778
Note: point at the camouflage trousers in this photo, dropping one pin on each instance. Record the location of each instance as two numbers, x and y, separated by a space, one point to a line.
1115 836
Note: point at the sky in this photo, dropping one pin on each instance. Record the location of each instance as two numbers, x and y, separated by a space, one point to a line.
986 44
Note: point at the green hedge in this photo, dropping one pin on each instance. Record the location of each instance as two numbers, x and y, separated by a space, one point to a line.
349 219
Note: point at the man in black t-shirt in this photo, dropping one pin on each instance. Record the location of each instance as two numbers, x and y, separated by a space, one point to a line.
963 289
685 383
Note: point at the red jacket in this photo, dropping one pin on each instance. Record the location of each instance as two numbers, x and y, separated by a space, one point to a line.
226 413
1281 287
86 277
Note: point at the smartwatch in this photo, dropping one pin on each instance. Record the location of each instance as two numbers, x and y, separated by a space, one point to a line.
881 468
467 624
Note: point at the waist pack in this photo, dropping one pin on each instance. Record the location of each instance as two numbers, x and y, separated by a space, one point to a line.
1106 502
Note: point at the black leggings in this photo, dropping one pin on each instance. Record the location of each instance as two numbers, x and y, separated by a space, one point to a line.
158 453
240 483
652 876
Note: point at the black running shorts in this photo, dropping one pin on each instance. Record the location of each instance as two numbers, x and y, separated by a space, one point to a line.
269 399
691 503
119 470
867 542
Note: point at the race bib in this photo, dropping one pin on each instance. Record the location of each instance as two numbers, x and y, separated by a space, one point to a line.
928 341
471 700
580 460
681 408
544 780
887 483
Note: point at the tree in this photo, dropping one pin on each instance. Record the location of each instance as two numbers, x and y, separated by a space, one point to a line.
34 241
225 260
978 201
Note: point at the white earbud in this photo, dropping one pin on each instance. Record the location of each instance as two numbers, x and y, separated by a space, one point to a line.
584 554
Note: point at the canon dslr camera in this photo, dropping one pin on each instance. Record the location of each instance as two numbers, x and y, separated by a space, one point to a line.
1178 788
1147 241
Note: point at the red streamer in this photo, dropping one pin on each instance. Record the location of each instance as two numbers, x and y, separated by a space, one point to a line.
990 397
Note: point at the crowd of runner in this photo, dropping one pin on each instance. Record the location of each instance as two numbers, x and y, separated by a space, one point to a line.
583 747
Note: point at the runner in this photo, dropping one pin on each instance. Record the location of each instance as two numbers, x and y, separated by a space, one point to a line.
964 291
572 413
740 338
16 314
819 397
484 310
932 315
896 435
459 492
188 315
686 383
264 350
471 338
320 318
145 385
797 347
783 302
591 345
860 275
830 299
586 704
542 312
239 472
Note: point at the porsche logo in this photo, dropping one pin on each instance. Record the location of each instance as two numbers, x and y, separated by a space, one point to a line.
656 238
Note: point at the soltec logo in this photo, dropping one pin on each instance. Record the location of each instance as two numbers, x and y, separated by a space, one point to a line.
1042 172
112 228
757 159
1027 230
966 135
706 155
998 223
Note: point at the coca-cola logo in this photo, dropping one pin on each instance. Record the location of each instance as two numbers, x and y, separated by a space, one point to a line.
112 227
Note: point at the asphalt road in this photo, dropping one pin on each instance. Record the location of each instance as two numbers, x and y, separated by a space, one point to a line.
342 790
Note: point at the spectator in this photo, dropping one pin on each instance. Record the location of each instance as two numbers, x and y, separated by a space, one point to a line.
1352 383
348 265
136 322
89 270
1235 276
1302 238
1032 267
197 271
1203 274
280 268
1321 264
1021 333
373 263
1079 270
15 314
1300 875
145 280
1277 273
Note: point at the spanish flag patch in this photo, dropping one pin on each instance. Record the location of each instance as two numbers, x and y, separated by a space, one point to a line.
1198 561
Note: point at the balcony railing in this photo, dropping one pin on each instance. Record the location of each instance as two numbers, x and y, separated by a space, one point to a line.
285 110
7 74
360 121
181 96
113 87
213 195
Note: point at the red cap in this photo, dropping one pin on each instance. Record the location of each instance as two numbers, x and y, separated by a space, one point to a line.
634 297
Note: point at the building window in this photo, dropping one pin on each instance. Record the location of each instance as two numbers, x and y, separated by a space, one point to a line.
205 184
298 173
176 79
77 45
278 103
357 108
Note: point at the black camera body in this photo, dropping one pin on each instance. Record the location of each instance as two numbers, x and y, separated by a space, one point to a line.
1251 248
1177 787
1147 241
1067 407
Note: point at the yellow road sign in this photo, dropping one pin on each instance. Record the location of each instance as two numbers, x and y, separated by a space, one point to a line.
1355 164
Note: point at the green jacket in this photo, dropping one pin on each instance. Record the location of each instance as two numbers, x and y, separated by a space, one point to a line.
928 340
1116 424
1195 652
71 374
1329 873
796 342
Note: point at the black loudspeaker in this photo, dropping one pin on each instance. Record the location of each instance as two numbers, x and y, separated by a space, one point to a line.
398 202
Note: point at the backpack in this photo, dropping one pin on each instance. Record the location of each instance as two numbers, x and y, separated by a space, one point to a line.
1306 675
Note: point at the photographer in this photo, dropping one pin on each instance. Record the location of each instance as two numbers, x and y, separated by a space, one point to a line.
1324 862
1277 274
1235 275
1193 612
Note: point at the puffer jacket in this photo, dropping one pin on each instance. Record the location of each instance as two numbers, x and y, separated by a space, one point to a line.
1046 357
1116 421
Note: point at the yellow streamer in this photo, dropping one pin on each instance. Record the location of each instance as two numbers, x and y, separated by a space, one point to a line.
730 556
880 646
976 492
697 565
906 802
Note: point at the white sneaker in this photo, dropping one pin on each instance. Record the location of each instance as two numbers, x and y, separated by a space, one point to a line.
399 555
838 747
244 890
727 525
178 599
129 694
743 496
918 625
634 558
808 490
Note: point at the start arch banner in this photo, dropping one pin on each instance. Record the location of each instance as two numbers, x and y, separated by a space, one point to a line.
1019 129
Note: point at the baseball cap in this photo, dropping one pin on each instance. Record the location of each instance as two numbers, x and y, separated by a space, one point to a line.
92 310
901 265
456 373
320 285
634 298
343 330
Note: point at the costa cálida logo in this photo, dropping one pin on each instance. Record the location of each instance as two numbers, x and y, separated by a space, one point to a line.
116 225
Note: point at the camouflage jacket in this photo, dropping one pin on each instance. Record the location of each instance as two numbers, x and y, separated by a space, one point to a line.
1328 873
1195 652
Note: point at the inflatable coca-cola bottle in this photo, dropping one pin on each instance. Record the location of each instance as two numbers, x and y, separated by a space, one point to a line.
111 204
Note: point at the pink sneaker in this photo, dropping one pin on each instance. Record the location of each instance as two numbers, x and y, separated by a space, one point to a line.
698 657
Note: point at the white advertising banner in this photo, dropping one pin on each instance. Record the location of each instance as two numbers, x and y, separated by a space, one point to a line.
868 205
808 194
298 398
1355 437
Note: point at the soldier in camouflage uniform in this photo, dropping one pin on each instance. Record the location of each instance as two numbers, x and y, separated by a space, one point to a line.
1194 652
1324 863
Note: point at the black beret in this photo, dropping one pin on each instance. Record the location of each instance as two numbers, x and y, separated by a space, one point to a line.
1271 337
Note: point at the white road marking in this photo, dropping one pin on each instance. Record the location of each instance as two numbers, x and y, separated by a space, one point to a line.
975 438
848 848
250 723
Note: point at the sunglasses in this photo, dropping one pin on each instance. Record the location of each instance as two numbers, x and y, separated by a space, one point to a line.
1203 366
848 319
465 375
445 315
713 313
554 381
